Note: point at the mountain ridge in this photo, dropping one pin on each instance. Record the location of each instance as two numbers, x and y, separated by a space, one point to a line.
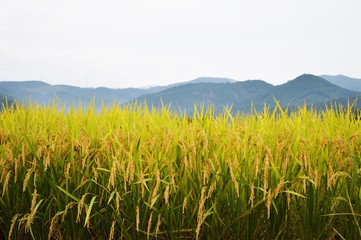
218 92
344 81
243 94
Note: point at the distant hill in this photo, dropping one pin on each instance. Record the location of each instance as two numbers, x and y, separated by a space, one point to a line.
311 89
197 80
218 92
353 84
219 95
206 80
43 93
307 88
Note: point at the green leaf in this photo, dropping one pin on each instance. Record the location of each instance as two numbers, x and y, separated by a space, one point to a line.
89 210
111 197
68 194
294 193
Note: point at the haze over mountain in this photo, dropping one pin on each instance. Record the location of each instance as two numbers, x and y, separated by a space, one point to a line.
218 92
353 84
197 80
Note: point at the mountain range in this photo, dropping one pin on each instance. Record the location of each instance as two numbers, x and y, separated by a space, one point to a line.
252 94
344 81
243 96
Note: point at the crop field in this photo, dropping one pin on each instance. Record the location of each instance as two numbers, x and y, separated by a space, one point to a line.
129 172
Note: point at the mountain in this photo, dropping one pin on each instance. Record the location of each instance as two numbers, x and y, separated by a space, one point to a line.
243 96
197 80
43 93
353 84
311 89
206 80
306 88
182 98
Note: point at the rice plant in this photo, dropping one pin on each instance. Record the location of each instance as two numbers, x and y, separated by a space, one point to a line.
130 172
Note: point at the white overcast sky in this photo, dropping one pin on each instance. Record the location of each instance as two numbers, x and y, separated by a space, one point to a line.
156 42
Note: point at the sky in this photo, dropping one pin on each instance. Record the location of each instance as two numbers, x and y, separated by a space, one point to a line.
138 43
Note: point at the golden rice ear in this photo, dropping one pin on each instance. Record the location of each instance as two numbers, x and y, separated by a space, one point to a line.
133 172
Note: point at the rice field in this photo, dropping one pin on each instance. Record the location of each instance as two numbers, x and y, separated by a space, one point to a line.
136 173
